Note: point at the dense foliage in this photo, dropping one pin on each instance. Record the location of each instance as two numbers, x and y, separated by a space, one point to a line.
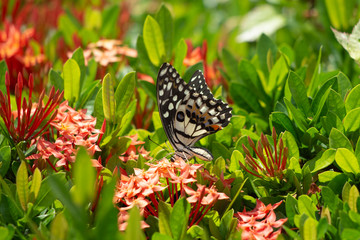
83 153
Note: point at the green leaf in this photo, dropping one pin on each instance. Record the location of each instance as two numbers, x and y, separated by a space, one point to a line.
307 206
335 104
353 197
347 161
291 208
326 159
5 159
108 99
338 140
298 91
236 156
353 101
56 80
60 232
143 58
315 79
298 115
77 214
348 234
180 54
242 95
191 70
154 41
309 229
78 56
264 47
339 12
164 219
320 99
22 182
179 218
123 94
345 192
327 176
35 185
230 65
3 70
84 178
352 120
281 122
166 23
343 85
110 16
98 109
71 75
290 142
133 229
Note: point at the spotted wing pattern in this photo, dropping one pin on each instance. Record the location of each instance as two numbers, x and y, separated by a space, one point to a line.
189 112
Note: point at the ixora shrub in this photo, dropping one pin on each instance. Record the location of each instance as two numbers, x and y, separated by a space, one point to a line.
85 97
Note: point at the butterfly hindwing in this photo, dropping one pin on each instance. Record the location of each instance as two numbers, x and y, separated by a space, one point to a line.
189 112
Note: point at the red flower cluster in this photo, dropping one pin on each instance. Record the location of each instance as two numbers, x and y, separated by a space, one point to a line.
29 119
259 223
16 49
145 189
132 152
74 128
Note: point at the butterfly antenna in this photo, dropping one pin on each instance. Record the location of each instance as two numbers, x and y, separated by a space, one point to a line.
157 144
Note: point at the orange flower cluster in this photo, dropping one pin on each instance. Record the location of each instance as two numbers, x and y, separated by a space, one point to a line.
259 223
74 128
107 51
175 179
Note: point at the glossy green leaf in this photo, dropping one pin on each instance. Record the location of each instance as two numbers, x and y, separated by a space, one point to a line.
315 81
108 99
236 156
124 93
71 75
297 115
352 120
347 160
327 176
35 185
353 197
78 56
56 80
22 187
307 206
343 85
154 41
320 99
281 122
291 208
84 177
338 140
264 47
352 100
98 109
179 218
290 142
336 104
166 23
298 91
180 54
309 229
348 234
5 159
326 159
242 95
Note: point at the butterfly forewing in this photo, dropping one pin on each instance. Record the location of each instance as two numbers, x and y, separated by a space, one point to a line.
189 112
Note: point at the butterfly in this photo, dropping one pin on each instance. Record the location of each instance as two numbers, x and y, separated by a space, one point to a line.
189 111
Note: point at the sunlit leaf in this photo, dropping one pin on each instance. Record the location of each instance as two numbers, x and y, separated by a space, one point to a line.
71 75
35 185
22 187
108 98
347 161
154 41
